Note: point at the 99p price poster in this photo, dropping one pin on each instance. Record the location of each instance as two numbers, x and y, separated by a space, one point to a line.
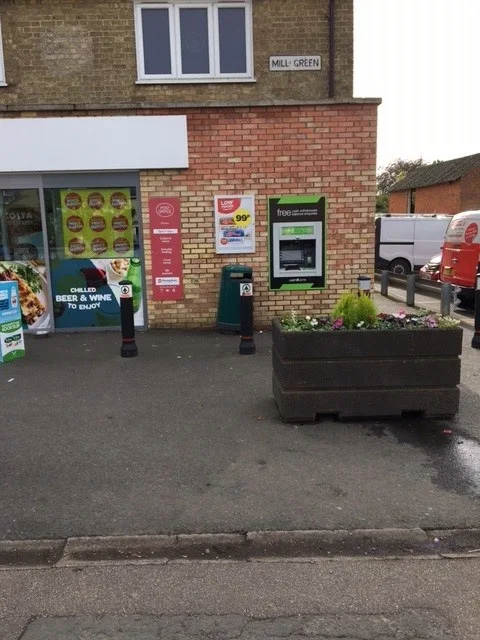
235 224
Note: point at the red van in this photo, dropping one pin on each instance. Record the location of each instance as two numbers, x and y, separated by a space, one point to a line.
461 255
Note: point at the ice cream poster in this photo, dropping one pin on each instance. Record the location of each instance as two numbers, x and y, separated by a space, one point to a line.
235 224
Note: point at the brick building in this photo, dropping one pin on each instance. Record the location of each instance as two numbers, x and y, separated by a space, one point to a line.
444 187
112 111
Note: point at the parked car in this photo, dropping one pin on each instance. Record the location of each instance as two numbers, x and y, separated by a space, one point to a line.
403 243
431 270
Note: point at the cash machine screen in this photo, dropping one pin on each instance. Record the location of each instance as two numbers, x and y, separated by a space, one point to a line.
292 256
297 254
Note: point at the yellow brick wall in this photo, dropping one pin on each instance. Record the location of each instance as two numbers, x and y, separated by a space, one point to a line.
288 150
82 52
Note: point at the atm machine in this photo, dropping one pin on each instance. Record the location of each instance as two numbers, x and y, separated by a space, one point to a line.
297 242
297 249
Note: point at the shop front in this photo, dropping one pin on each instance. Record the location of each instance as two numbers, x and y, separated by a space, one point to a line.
70 214
68 240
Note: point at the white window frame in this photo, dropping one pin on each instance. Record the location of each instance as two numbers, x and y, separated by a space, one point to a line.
177 76
3 82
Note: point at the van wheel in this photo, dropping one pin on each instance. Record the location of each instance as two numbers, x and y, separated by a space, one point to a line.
399 267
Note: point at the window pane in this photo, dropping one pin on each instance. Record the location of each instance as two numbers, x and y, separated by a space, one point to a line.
21 236
156 41
194 40
93 239
233 41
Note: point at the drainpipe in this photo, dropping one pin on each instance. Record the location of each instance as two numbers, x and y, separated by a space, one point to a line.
331 70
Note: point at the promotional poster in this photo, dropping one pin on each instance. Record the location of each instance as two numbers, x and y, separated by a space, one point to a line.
12 344
87 292
31 278
235 224
97 222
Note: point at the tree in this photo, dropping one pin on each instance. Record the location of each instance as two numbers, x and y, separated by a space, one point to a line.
382 203
389 176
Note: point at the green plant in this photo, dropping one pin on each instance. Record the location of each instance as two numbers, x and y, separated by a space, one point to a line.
357 311
367 311
447 322
291 321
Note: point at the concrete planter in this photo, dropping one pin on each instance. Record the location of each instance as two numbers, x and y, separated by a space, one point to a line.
366 373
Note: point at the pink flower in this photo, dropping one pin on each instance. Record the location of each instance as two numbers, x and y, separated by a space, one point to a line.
338 324
431 322
401 315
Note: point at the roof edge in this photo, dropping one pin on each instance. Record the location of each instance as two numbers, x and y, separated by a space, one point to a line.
31 108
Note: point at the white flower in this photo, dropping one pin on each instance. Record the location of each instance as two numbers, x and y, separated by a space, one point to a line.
314 322
307 318
360 324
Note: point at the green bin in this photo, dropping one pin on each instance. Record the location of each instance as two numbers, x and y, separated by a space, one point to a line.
228 313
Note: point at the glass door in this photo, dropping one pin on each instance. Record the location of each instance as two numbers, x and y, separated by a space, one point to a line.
94 243
23 257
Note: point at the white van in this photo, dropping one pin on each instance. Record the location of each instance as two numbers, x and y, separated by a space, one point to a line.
404 243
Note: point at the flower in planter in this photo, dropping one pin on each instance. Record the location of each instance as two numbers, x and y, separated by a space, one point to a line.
431 322
354 312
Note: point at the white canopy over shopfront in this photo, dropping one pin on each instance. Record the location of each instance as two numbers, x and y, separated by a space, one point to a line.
113 143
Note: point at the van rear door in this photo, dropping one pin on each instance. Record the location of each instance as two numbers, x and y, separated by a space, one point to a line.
395 239
429 235
460 255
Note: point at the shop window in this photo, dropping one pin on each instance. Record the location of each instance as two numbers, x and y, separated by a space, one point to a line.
94 243
194 41
2 67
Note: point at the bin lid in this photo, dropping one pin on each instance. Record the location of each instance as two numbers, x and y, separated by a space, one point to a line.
236 268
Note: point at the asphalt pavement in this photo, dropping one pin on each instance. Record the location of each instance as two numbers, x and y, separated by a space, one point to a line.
186 438
411 599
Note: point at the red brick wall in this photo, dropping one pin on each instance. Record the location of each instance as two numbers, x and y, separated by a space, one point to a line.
470 184
439 198
398 202
328 150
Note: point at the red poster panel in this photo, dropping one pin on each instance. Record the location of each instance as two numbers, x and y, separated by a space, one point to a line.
166 242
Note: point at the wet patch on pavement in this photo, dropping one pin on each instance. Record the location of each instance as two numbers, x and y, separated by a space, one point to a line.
455 457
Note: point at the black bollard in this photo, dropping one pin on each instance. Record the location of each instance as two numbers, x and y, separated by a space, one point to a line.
476 335
247 344
129 349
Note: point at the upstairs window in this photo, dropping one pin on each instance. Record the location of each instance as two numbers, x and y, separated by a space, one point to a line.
2 67
194 41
